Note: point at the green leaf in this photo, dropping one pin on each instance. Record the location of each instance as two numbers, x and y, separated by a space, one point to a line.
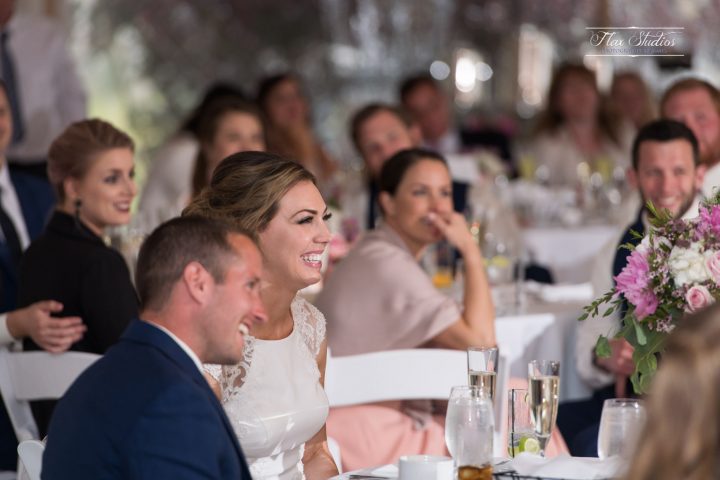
602 347
640 333
609 312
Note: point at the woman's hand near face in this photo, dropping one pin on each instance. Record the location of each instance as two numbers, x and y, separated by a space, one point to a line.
455 229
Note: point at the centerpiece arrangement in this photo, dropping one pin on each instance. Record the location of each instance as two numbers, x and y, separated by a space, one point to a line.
674 270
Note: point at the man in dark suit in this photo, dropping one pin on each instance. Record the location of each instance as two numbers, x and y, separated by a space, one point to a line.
25 205
667 171
145 411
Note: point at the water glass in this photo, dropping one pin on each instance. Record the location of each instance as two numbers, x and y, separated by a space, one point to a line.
469 432
521 431
620 424
482 368
544 397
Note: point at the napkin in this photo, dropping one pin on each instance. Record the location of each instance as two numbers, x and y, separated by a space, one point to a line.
565 467
582 292
386 471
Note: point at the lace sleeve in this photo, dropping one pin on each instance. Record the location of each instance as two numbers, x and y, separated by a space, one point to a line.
232 377
311 323
213 370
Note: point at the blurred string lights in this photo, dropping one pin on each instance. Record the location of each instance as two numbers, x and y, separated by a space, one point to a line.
471 72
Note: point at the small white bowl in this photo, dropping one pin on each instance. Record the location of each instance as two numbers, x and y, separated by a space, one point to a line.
425 467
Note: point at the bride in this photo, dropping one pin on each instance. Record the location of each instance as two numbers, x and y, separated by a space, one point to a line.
274 397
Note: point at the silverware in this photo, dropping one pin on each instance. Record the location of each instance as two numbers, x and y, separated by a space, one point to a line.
354 476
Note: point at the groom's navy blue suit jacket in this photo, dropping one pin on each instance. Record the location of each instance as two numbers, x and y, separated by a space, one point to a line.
143 411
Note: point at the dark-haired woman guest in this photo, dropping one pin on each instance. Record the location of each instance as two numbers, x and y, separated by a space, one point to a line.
91 168
380 298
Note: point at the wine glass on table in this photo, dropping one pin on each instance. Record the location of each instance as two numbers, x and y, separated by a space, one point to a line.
469 432
544 393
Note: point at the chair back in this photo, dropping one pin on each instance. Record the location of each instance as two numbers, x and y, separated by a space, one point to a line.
420 373
26 376
30 452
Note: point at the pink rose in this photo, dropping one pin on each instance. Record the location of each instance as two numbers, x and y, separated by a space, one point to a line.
712 264
698 297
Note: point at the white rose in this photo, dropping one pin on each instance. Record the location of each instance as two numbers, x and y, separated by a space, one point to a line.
687 265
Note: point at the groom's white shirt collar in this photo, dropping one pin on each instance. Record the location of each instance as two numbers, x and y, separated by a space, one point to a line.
182 345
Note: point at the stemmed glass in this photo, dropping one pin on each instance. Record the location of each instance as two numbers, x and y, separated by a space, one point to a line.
620 424
482 368
543 389
469 432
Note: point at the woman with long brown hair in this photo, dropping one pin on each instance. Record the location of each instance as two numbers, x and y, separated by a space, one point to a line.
289 131
577 128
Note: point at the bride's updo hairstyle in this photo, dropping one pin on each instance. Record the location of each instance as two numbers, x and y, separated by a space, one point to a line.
246 189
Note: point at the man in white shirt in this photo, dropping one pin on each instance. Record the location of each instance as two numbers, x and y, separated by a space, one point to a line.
46 91
667 171
696 103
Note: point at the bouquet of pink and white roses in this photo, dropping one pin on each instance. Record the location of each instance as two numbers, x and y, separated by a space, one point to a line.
673 271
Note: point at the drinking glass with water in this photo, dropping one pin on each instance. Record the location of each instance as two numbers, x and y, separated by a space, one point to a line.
620 424
469 432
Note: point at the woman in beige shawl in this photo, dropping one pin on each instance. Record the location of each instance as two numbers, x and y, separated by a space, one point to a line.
379 298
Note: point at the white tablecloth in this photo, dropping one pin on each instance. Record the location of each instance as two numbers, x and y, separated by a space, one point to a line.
569 252
543 331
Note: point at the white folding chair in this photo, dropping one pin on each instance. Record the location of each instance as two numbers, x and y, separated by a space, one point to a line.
30 452
421 373
26 376
412 374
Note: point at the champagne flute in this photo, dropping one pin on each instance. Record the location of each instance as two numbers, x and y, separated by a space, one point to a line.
469 432
482 368
544 388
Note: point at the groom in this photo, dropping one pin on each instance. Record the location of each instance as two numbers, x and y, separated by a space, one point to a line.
145 411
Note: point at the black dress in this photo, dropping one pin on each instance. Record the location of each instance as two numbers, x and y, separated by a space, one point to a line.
72 265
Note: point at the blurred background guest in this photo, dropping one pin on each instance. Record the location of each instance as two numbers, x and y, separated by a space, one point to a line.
91 167
43 87
228 126
431 108
577 134
289 129
379 298
274 397
681 436
631 97
168 186
696 103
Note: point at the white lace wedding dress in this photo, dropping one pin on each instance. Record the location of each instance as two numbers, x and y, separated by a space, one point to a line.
273 397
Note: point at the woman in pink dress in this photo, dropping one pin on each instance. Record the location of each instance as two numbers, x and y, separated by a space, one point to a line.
379 298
